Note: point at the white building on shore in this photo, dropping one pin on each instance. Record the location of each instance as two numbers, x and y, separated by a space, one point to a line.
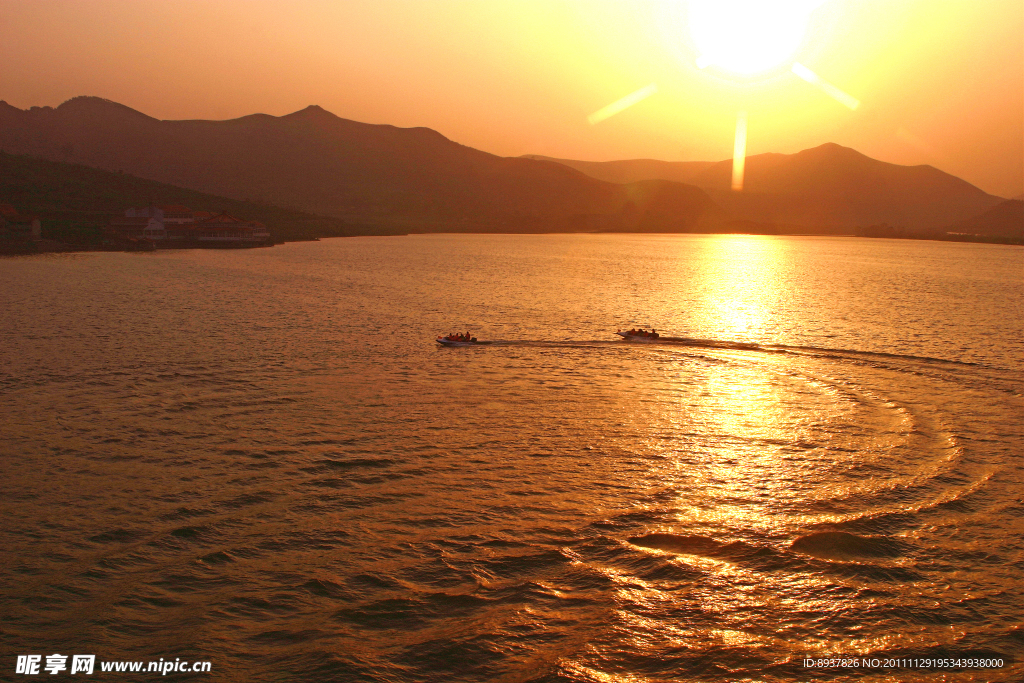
179 226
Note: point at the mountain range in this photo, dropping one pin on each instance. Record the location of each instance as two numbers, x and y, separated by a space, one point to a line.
829 185
384 178
372 175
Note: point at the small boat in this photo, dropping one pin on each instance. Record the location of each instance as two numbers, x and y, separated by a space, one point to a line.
460 340
639 335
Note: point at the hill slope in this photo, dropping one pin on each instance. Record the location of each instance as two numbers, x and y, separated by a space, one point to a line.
1002 220
74 201
405 179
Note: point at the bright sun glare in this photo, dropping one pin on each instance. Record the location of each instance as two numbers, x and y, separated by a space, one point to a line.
748 36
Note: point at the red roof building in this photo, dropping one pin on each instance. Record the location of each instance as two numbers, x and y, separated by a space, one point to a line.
18 226
226 228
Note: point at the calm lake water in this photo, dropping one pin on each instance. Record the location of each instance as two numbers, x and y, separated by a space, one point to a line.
263 460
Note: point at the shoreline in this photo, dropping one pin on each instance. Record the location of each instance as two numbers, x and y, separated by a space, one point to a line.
55 247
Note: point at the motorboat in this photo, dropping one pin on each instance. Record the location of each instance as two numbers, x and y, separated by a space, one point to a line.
641 335
460 340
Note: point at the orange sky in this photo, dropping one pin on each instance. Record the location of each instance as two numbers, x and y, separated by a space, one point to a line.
940 82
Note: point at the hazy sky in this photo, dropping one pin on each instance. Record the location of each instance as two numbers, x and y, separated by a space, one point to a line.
939 82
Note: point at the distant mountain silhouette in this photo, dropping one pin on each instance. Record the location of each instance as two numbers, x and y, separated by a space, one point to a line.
829 185
376 175
634 170
1005 219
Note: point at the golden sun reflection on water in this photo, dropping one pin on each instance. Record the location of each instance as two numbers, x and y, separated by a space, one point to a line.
740 285
743 416
739 411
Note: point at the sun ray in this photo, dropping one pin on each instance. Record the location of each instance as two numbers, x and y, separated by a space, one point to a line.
829 89
619 105
739 151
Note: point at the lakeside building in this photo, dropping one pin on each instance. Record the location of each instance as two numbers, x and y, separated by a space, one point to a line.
14 225
176 227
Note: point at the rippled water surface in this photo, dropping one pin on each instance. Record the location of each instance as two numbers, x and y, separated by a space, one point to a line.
262 459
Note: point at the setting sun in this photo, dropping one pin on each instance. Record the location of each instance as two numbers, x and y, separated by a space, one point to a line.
748 37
